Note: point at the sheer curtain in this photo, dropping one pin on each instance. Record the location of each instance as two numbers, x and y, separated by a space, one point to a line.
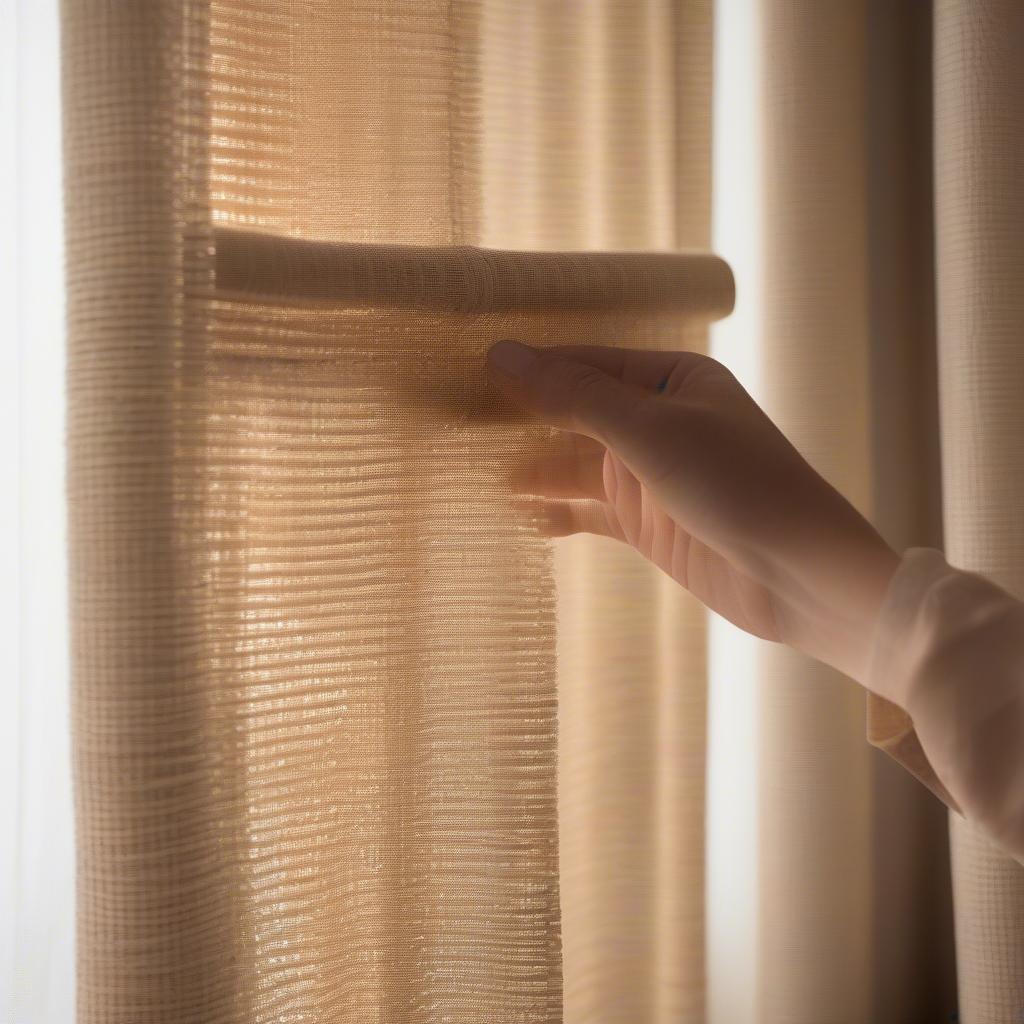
351 739
36 849
316 702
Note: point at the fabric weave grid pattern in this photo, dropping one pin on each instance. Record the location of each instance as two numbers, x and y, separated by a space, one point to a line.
979 225
352 741
316 706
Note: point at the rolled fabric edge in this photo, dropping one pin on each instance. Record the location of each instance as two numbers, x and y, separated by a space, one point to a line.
468 280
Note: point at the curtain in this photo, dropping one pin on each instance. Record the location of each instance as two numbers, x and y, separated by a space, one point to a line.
902 163
37 852
351 739
854 883
315 695
980 216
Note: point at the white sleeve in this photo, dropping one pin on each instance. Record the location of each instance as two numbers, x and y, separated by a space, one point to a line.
948 648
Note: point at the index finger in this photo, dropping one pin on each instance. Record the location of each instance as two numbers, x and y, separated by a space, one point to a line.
651 369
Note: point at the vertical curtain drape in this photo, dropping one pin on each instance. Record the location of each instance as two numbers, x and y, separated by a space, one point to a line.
864 105
352 741
315 690
597 135
854 917
979 122
814 787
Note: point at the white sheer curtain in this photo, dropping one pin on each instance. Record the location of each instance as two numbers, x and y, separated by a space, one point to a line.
37 902
732 823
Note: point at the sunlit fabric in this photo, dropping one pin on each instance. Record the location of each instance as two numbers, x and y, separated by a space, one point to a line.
352 740
317 706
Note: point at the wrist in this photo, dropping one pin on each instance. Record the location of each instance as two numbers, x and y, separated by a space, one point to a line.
835 594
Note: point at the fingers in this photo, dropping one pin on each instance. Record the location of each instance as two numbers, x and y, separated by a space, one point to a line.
624 495
565 518
569 393
574 468
649 369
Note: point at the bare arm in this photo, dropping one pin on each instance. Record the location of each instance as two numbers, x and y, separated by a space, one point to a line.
668 453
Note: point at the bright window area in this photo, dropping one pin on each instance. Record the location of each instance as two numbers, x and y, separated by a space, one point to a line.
37 982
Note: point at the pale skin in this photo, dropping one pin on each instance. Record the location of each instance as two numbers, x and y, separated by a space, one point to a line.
665 451
668 453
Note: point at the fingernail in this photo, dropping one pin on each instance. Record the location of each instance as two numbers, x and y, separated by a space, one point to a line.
510 359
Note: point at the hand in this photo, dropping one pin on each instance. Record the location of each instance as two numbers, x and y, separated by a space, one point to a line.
667 452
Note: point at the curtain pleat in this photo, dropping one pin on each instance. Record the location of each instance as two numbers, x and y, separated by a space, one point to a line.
583 100
814 773
156 894
979 146
855 903
912 950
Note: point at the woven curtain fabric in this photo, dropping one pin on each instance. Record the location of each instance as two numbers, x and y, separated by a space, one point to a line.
318 691
980 225
912 951
605 144
814 789
352 741
854 909
869 359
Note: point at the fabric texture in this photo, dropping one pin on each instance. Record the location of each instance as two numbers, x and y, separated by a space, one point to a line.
979 227
854 891
351 740
316 703
814 787
602 140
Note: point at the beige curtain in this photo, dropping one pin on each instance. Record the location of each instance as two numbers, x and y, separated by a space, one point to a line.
352 742
854 887
316 703
866 104
979 229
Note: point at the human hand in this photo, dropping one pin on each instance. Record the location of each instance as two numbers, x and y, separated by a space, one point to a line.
667 452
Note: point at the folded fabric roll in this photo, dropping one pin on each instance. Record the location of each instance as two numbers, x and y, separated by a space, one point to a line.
467 279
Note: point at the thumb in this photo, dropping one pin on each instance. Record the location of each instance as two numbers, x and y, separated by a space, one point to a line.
568 394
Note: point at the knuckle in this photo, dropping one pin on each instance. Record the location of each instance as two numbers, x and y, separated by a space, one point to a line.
568 386
708 369
721 371
708 379
588 382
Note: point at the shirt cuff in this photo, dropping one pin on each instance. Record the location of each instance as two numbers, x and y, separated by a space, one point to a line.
891 664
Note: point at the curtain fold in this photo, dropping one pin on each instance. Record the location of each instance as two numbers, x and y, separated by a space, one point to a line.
155 896
814 783
850 857
979 164
596 145
913 955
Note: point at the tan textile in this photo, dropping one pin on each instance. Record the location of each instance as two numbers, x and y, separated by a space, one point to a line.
351 741
814 783
980 245
315 688
602 141
854 915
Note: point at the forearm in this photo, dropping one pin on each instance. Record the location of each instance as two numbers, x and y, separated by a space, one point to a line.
830 573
